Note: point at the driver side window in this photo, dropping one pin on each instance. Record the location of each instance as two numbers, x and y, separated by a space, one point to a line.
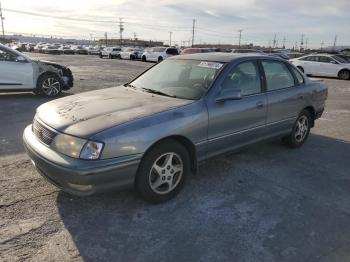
7 56
244 77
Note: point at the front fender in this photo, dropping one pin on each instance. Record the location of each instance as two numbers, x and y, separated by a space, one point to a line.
137 136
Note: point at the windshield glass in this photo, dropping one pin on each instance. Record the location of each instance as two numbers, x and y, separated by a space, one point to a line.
186 79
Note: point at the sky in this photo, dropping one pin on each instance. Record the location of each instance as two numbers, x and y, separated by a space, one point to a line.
216 21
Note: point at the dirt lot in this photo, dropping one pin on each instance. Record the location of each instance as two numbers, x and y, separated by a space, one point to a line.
265 203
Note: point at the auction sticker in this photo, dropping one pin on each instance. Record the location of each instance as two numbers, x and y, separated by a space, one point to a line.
212 65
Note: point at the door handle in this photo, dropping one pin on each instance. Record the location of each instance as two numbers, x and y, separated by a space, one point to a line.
260 104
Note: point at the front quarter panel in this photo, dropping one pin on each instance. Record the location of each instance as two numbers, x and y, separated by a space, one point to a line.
135 137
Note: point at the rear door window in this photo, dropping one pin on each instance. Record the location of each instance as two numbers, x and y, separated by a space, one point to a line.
277 75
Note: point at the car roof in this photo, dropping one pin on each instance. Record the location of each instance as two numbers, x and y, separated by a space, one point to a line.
219 56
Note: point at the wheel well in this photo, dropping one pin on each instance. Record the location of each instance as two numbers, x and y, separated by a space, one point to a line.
313 114
45 74
190 147
344 69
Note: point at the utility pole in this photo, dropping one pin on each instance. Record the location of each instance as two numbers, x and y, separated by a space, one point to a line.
302 41
2 22
170 33
135 36
106 39
284 42
322 43
193 24
121 29
307 39
335 42
274 41
240 38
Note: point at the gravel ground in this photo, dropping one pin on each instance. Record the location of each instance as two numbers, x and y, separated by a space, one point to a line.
265 203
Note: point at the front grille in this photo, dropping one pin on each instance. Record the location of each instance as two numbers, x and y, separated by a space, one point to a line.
42 133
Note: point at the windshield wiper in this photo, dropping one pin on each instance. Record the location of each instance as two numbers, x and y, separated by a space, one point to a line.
130 85
156 92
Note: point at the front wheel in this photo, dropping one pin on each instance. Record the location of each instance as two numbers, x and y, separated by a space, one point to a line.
344 74
49 85
300 131
143 59
160 59
162 172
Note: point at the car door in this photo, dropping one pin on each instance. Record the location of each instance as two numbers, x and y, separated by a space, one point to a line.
285 95
311 65
14 73
233 123
328 66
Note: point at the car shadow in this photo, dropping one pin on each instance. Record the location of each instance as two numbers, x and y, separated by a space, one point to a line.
225 211
21 107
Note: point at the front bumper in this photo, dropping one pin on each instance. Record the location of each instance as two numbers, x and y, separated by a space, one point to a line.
77 176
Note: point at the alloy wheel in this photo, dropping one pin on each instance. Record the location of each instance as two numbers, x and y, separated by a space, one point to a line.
301 128
51 86
166 173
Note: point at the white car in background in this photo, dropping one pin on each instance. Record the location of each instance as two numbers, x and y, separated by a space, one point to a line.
20 73
323 65
110 52
158 54
130 53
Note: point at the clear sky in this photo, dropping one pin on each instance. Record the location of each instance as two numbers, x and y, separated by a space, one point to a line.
216 21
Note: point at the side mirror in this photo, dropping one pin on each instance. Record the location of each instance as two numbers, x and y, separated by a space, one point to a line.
333 62
229 94
21 59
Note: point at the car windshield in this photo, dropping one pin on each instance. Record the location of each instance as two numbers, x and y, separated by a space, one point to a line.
185 79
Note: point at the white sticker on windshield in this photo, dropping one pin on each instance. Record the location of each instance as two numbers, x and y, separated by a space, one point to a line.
212 65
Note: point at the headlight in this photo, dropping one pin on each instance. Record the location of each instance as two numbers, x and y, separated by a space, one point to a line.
76 147
91 150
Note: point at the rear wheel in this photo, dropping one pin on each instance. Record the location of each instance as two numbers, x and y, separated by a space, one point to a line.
143 59
162 172
49 85
160 59
300 131
344 74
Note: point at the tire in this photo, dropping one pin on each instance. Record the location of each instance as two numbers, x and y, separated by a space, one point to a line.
144 59
110 56
300 68
101 56
49 85
160 59
160 186
344 74
132 57
300 132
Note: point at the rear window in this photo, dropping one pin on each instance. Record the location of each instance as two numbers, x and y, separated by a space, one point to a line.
172 51
277 75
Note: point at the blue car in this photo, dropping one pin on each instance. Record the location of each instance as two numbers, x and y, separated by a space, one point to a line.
151 133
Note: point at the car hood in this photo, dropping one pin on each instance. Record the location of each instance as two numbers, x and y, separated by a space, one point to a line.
86 114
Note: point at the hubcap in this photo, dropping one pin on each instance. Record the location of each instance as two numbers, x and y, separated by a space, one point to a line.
166 173
344 75
51 86
301 128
